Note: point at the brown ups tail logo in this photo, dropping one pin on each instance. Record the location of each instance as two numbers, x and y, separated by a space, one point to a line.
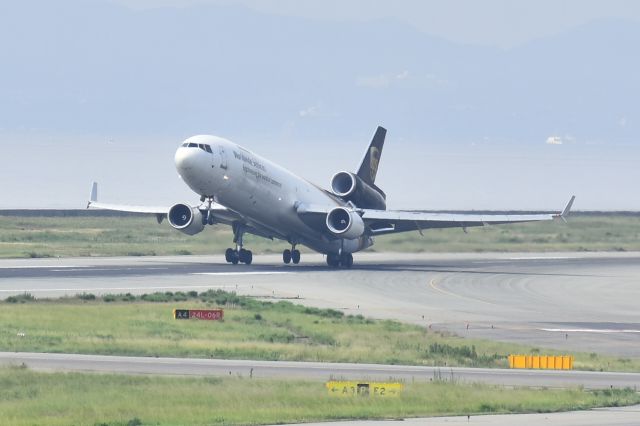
374 159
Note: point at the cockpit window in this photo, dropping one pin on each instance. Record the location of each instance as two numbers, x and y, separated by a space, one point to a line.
202 146
205 147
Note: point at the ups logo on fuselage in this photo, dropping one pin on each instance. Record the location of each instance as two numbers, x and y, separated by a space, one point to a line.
374 159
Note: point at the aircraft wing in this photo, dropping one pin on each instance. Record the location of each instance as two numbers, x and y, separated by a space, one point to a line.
128 208
381 222
221 213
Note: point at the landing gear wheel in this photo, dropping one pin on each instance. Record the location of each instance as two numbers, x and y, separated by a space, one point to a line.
235 258
286 256
295 256
242 254
346 260
333 260
228 255
245 256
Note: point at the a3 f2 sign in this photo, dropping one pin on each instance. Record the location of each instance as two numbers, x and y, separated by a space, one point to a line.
364 389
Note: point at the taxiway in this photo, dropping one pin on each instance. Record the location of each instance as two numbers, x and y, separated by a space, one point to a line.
316 370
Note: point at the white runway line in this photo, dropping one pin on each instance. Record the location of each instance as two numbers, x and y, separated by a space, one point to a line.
589 330
542 258
242 273
83 268
511 259
41 267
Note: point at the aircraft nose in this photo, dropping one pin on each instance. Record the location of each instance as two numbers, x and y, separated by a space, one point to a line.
186 159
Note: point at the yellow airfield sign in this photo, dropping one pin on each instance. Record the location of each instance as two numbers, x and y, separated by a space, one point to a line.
370 389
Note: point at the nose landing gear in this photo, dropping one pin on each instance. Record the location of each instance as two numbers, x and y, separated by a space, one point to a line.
208 219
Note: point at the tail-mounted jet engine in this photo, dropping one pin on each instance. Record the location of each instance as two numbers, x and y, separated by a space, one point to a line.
186 219
345 223
350 187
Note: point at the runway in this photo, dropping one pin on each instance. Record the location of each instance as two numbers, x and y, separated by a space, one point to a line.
569 301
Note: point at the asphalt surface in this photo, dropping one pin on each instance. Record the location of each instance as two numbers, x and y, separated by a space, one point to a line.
316 370
583 302
619 416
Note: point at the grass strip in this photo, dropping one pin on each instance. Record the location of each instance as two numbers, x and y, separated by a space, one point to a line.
29 398
143 325
142 236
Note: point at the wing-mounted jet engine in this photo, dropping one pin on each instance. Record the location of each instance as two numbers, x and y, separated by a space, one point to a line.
345 223
186 219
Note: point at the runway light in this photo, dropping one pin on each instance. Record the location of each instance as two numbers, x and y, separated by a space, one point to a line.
225 177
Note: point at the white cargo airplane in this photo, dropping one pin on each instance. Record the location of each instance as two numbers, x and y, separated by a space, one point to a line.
254 195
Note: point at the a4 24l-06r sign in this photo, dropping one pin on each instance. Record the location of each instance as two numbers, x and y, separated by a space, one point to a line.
203 314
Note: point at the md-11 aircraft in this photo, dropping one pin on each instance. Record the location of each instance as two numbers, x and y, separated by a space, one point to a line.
254 195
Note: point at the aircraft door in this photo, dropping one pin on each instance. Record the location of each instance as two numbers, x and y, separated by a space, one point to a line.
223 158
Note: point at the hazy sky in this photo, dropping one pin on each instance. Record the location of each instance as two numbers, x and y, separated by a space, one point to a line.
503 23
489 104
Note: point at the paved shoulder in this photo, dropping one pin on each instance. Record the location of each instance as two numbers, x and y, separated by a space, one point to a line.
315 370
619 416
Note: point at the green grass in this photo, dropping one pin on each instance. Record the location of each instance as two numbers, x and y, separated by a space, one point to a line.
139 236
31 398
127 325
33 237
598 232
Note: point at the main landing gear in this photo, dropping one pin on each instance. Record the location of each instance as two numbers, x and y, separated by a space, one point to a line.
292 255
336 260
239 255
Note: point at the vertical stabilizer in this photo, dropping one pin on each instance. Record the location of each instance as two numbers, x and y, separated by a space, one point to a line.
369 167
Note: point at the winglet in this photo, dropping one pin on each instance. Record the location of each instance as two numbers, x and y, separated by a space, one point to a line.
567 209
94 194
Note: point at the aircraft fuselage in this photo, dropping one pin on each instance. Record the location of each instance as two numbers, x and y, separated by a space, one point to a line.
263 193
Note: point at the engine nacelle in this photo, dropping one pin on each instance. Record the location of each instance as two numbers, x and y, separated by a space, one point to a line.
345 223
350 187
185 219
